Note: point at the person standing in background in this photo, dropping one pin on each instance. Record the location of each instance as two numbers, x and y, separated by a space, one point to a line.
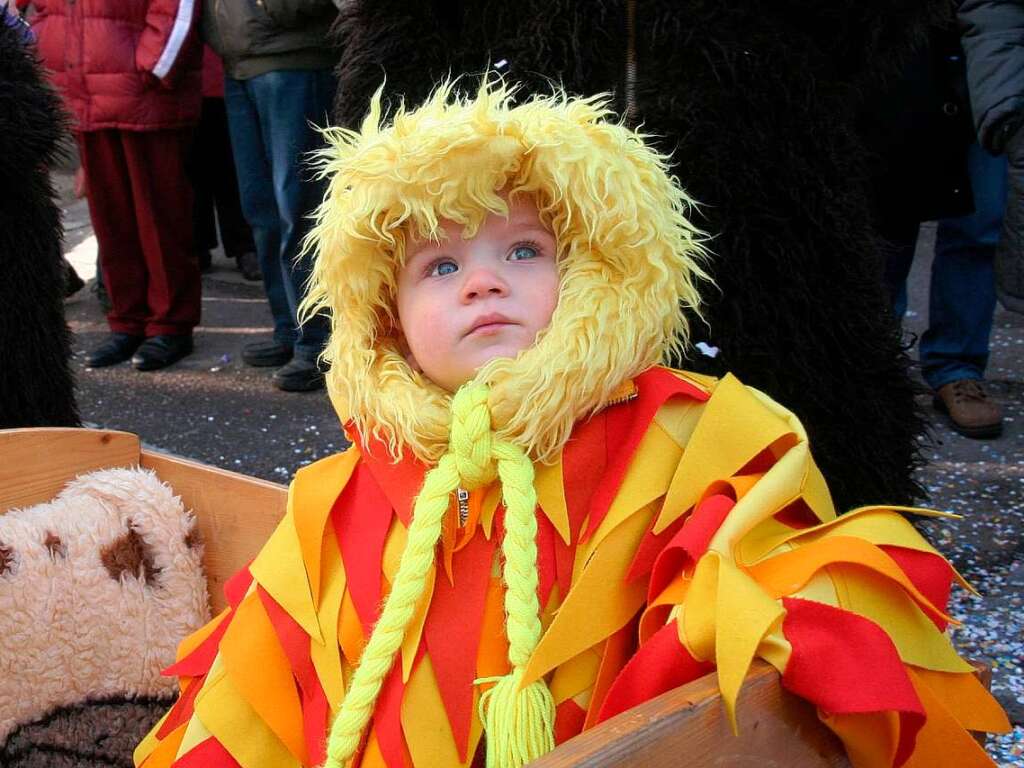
211 169
279 84
130 75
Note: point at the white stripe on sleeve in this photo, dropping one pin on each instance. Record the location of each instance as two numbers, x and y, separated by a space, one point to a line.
175 41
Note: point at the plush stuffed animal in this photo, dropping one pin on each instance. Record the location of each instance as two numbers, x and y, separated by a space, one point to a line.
97 588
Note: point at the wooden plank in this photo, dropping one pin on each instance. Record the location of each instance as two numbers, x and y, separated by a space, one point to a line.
236 513
36 463
688 726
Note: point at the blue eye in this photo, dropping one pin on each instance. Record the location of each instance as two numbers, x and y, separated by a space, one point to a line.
443 267
523 252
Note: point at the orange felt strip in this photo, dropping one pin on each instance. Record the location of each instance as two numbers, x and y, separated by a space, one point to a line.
317 486
350 630
870 738
942 740
617 650
259 669
166 750
786 573
492 654
967 700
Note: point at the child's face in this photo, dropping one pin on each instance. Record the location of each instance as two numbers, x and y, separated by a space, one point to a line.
462 303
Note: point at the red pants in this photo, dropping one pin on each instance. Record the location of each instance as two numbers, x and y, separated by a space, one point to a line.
141 208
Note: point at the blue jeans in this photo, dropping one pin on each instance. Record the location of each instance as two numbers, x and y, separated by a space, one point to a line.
269 119
962 297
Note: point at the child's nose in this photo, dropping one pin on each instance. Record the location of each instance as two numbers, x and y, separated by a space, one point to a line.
481 282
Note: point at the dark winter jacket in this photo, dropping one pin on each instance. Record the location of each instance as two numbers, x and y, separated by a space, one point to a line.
993 37
918 128
128 64
257 36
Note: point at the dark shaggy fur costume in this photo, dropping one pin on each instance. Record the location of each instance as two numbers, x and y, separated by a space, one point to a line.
36 386
757 105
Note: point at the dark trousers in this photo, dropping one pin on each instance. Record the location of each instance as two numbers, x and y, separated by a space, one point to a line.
211 168
141 208
269 117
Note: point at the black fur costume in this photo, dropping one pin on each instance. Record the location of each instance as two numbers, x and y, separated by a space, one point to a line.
757 104
36 385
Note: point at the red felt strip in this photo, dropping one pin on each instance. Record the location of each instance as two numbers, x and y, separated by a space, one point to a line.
295 643
361 517
183 708
929 572
387 718
199 661
452 632
237 586
546 563
625 427
690 543
661 664
207 754
650 547
569 717
846 664
583 463
401 481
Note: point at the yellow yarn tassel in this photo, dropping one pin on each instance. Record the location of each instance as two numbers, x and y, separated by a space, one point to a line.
519 722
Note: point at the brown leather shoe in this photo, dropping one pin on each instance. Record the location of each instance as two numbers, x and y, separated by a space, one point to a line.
970 411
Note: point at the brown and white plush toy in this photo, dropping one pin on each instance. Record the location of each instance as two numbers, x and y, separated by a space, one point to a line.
97 588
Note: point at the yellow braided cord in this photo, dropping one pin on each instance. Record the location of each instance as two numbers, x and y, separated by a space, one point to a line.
519 723
379 654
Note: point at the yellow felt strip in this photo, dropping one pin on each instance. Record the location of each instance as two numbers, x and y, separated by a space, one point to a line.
195 734
425 723
261 674
942 740
317 486
648 477
679 417
879 525
414 632
779 486
598 603
548 481
279 569
576 675
870 739
732 430
916 638
966 699
741 613
326 656
238 727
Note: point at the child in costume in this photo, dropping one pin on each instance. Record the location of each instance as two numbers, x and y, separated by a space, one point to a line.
537 527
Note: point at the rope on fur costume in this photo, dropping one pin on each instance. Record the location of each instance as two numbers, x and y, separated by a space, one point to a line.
519 723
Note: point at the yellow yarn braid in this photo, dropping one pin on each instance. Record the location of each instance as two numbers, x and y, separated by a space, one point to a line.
519 723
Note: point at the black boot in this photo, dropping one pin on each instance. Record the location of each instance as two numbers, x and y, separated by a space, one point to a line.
116 348
160 351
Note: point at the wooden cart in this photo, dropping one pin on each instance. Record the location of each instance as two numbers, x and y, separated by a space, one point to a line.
236 514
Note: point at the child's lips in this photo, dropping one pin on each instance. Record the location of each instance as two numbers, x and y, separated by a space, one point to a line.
488 325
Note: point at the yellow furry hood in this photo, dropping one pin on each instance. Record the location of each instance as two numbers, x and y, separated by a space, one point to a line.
627 257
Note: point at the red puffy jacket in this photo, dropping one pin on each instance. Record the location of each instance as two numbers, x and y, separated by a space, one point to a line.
129 64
